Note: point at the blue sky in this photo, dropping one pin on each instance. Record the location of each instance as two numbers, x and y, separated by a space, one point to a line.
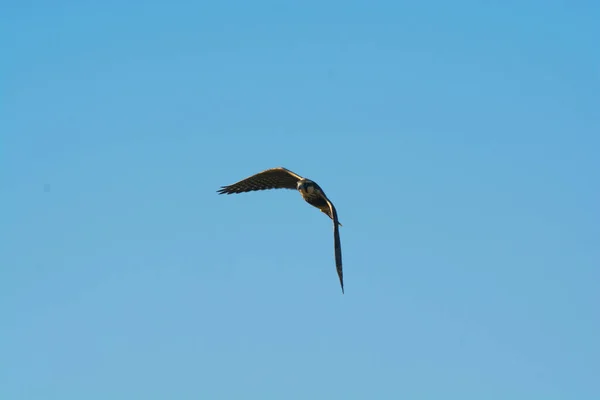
458 140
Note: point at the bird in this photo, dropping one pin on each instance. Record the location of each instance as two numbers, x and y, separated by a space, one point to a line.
283 178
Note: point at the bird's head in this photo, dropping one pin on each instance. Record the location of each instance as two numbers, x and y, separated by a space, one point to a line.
305 185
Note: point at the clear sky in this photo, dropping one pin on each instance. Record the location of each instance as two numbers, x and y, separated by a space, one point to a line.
458 140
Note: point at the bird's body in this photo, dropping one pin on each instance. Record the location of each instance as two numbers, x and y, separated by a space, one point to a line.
282 178
315 196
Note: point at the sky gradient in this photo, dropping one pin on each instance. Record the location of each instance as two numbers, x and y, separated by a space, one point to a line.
458 140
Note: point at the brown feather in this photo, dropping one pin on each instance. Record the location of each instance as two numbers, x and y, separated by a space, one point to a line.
337 245
274 178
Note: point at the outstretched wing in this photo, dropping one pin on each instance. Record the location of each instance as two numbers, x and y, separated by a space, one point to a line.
336 244
274 178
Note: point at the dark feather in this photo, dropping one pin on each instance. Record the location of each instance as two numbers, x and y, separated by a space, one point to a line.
274 178
337 245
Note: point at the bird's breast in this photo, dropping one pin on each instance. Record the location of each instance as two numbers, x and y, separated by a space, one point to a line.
315 199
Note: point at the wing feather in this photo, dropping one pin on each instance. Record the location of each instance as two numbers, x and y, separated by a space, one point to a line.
274 178
336 244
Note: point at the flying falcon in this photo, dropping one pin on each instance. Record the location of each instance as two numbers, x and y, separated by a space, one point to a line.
281 178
